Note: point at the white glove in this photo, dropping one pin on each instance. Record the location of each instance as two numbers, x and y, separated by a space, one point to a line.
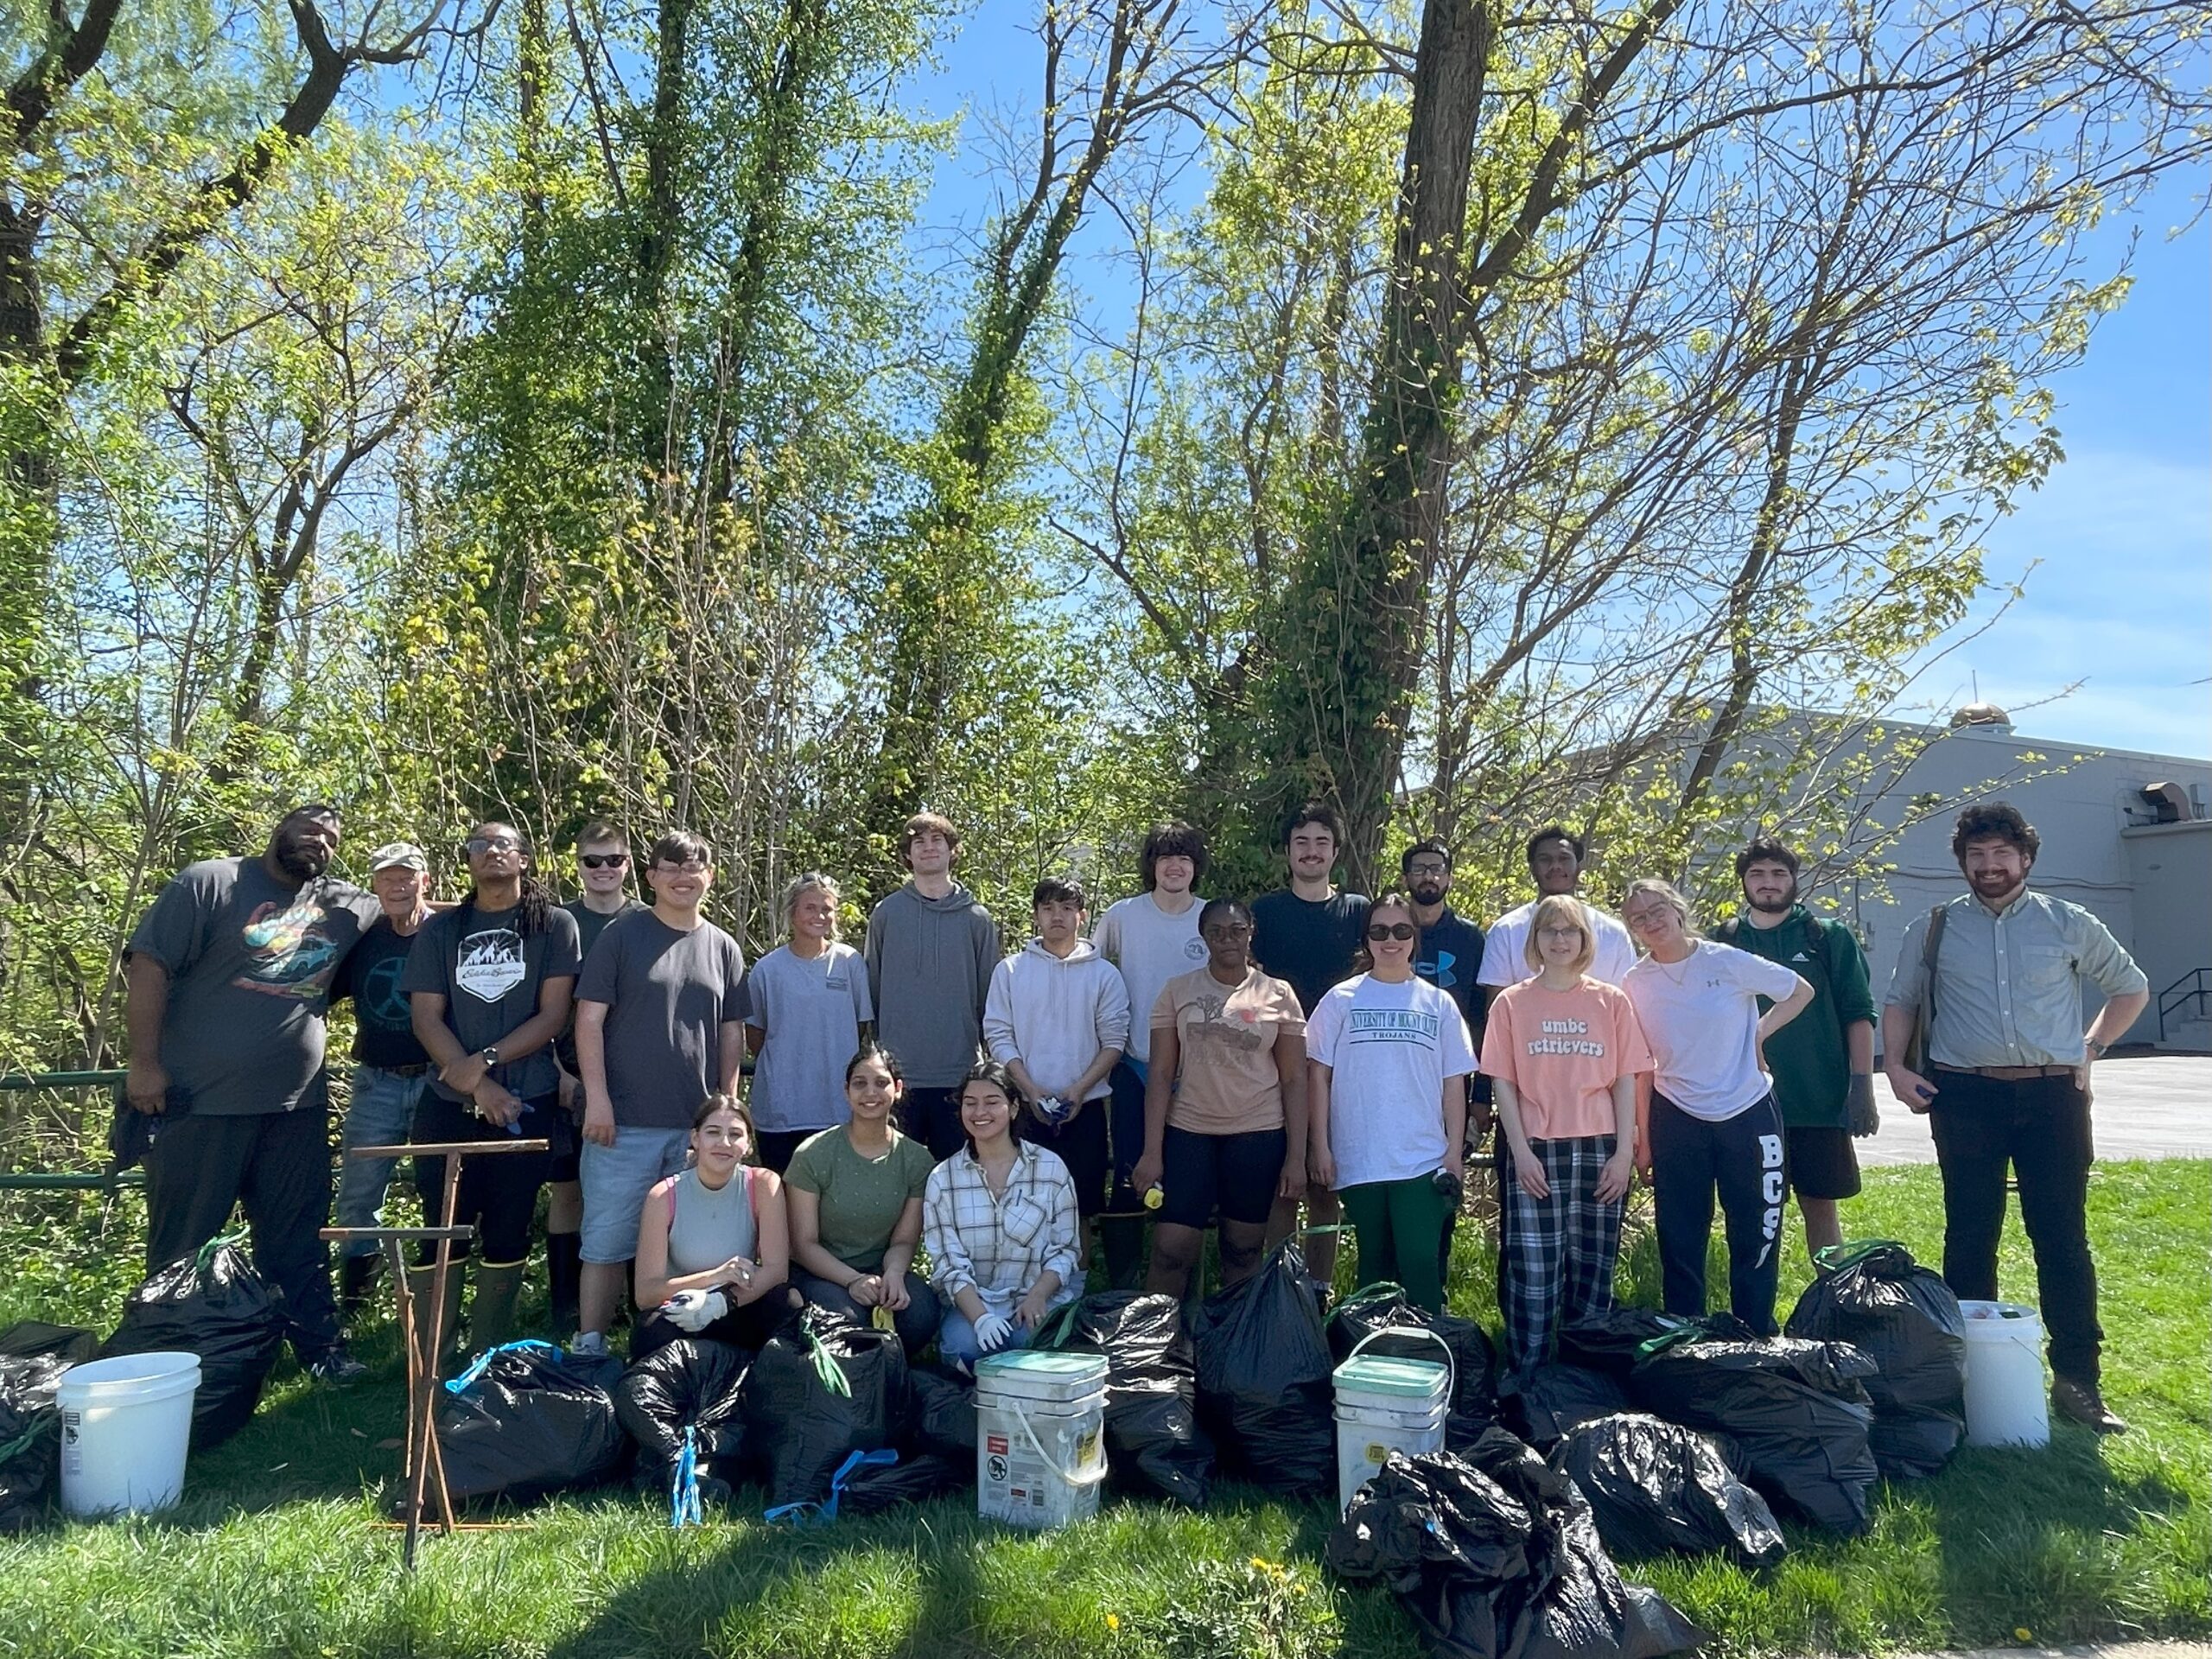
695 1309
992 1332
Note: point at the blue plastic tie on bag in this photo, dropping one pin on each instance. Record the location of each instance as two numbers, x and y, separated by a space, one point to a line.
808 1514
476 1366
684 1491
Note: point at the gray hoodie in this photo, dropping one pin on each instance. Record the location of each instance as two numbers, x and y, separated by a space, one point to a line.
929 968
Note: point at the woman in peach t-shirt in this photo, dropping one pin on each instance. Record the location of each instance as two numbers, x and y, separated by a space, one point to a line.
1562 1050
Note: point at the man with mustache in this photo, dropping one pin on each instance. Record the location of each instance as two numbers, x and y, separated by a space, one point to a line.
228 978
2006 1079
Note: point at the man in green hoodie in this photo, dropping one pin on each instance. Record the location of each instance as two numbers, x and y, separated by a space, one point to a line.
931 948
1823 1063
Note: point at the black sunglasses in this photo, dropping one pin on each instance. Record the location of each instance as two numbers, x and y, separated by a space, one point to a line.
1392 931
602 861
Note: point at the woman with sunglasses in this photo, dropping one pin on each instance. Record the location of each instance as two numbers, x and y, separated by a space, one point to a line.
1387 1095
1713 1126
1562 1050
1224 1109
713 1242
489 985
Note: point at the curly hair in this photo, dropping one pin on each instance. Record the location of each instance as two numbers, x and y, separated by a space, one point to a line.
1994 821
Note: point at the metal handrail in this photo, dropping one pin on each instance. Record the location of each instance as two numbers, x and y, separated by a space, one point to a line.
2191 985
40 1180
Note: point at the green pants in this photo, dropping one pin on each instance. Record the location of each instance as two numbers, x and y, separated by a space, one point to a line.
1400 1226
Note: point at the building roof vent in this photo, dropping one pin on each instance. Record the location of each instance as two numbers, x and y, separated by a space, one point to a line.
2170 801
1982 718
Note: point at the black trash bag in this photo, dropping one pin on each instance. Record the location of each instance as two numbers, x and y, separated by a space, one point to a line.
1797 1411
1495 1556
1607 1342
1474 1362
1904 1318
213 1304
824 1388
33 1356
1155 1443
1655 1486
1263 1384
688 1384
526 1420
1545 1403
941 1417
914 1479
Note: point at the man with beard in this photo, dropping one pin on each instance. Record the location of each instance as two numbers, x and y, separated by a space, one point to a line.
1448 954
1556 860
1823 1061
2006 1079
228 978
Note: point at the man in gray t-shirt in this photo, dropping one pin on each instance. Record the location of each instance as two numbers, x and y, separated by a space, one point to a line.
228 981
660 1013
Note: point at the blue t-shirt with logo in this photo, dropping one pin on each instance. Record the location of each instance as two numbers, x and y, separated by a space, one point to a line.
384 1025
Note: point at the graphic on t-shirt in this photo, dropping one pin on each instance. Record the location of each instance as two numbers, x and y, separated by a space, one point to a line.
1567 1036
1217 1024
1194 949
292 951
1394 1025
491 964
1439 972
379 1001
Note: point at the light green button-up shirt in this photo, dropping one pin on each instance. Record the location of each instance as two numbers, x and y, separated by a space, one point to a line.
2008 988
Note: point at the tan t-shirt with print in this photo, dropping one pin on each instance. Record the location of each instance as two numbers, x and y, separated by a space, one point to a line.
1228 1083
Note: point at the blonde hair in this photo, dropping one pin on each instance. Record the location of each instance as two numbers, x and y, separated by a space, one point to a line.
1558 910
811 881
1666 893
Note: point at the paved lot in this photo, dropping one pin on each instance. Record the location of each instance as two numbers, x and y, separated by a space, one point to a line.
2151 1106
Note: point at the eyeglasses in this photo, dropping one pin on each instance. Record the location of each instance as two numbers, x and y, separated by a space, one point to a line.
476 844
602 861
1428 867
1392 931
1230 930
1574 933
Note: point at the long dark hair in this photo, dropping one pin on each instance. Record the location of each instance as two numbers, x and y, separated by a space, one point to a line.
534 915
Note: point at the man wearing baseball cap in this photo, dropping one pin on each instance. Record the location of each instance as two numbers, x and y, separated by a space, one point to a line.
391 1069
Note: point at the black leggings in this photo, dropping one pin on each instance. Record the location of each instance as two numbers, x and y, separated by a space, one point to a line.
498 1192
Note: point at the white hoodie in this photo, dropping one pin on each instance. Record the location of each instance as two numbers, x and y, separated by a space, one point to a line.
1054 1013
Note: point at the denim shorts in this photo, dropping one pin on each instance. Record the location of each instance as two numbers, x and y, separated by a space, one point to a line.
615 1181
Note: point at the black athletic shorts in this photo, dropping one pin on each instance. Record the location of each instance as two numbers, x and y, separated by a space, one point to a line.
565 1143
1823 1164
1235 1174
1081 1144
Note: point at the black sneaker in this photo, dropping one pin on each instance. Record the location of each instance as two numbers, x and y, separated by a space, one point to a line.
338 1368
2080 1402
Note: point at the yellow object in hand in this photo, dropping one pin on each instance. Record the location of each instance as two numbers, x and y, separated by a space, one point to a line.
1155 1196
879 1317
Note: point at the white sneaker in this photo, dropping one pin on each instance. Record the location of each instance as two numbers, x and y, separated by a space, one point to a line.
593 1343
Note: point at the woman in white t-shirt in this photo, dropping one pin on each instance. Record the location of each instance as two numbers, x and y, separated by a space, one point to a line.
1713 1126
1387 1102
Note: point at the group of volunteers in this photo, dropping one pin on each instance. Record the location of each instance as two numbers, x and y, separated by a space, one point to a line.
940 1138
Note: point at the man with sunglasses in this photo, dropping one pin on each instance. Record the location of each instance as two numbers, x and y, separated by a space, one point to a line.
228 979
660 1026
1308 935
603 873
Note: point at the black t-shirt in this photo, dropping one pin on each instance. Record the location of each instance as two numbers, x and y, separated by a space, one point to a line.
590 924
1311 945
1450 956
383 1029
490 977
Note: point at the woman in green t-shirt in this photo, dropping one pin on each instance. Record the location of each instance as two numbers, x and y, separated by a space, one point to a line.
856 1199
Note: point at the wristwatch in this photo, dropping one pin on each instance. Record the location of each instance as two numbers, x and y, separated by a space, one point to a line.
2097 1049
488 1054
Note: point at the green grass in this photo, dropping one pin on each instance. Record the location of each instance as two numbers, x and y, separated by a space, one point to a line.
277 1552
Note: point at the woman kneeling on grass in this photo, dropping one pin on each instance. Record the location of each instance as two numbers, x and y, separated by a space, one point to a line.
1713 1123
1562 1050
999 1217
1224 1111
713 1242
856 1198
1388 1096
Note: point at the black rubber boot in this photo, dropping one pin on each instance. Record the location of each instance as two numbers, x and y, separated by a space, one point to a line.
356 1282
563 1279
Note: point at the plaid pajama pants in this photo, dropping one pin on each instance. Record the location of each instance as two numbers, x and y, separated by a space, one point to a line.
1555 1256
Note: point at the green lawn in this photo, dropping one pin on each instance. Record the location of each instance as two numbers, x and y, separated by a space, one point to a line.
276 1550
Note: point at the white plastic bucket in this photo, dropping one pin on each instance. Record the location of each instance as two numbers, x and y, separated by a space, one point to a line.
1040 1437
126 1424
1386 1405
2006 1404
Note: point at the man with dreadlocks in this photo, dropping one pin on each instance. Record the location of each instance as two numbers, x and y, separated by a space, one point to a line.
490 982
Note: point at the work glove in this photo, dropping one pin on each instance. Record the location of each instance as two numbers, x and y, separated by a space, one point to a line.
1860 1112
993 1332
695 1309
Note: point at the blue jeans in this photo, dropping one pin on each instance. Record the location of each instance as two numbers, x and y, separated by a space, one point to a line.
956 1339
382 1114
616 1179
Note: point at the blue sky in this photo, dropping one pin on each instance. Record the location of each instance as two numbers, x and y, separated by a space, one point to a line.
2114 552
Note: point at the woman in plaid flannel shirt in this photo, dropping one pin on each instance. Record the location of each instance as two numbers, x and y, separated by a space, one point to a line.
999 1220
